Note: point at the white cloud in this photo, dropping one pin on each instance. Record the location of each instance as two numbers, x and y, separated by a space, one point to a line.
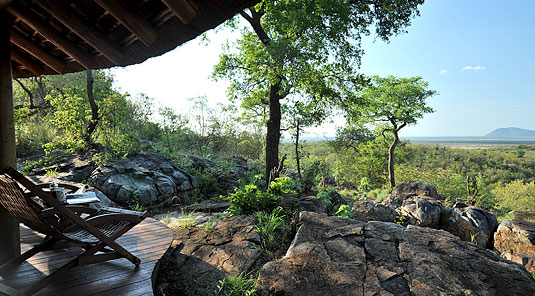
442 72
476 68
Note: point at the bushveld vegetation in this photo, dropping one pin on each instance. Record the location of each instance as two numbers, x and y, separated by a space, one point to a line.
55 113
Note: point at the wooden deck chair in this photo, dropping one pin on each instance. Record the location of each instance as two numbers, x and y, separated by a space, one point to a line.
94 230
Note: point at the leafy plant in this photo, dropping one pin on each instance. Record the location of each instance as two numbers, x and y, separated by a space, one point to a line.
240 285
249 198
402 220
210 225
51 172
188 220
344 211
268 227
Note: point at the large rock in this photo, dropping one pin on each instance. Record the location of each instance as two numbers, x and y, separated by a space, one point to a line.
422 211
515 239
201 257
146 179
471 224
409 189
417 188
335 256
67 167
368 211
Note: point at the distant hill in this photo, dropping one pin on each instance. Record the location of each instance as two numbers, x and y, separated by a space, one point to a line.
511 133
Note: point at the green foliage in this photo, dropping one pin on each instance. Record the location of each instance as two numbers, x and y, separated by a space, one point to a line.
516 195
269 226
395 100
313 173
344 211
41 162
447 181
377 195
250 198
209 225
188 220
240 285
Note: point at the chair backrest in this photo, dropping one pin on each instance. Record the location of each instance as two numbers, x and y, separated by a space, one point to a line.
22 208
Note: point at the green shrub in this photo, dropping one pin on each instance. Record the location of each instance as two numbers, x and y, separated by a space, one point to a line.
240 285
249 198
515 195
344 211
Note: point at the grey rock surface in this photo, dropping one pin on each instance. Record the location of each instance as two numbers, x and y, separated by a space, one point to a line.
335 256
201 258
147 179
515 239
368 211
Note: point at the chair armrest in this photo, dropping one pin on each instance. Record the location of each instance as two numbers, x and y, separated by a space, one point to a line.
105 218
78 210
123 211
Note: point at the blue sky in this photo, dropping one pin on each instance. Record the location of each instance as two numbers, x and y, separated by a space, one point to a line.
479 55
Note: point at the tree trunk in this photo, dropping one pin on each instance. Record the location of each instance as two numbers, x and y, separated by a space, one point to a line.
297 131
94 108
9 227
391 149
273 130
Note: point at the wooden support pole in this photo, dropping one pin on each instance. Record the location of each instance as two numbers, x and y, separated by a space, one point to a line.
9 227
183 9
141 28
85 31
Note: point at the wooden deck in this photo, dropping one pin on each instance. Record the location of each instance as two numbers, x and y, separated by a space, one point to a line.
148 241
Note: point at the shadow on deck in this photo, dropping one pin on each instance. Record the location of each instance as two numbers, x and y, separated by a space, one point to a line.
148 241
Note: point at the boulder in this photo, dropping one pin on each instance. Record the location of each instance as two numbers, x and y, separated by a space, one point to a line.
305 203
201 257
368 211
146 179
471 224
336 256
416 188
409 189
422 211
515 239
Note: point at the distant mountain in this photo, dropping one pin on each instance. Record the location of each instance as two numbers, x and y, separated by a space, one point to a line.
511 133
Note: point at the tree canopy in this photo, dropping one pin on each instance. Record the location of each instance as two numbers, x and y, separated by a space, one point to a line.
394 101
308 50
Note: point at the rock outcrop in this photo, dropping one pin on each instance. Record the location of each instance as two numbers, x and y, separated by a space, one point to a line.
515 239
408 189
335 256
201 257
470 224
417 204
146 179
422 211
368 211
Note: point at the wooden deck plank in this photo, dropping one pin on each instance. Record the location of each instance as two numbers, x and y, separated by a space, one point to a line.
149 240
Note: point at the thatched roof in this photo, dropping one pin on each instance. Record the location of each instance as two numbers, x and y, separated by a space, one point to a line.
62 36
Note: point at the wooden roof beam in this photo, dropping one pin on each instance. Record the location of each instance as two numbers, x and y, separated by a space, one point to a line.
85 31
54 37
26 63
4 3
48 59
141 28
183 9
